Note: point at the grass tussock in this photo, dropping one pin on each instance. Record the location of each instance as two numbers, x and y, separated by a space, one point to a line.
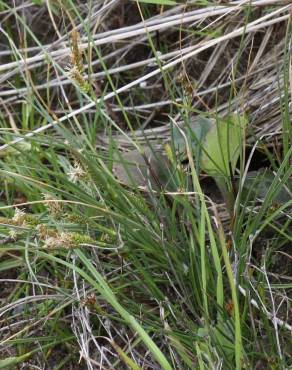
145 185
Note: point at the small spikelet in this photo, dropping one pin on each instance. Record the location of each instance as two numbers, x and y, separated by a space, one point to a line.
67 240
76 172
186 85
76 219
76 75
44 232
54 207
75 70
19 217
76 55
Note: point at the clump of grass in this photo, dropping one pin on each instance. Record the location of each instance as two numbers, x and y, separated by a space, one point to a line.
128 277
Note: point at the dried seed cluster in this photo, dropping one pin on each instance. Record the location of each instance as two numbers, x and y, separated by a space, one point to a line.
76 68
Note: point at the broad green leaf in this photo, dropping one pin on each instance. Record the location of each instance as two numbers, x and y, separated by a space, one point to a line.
195 131
221 147
143 168
215 146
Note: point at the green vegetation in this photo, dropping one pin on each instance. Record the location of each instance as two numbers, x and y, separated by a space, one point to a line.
145 185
